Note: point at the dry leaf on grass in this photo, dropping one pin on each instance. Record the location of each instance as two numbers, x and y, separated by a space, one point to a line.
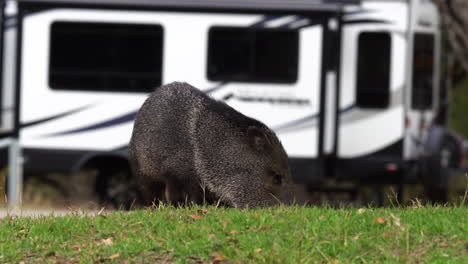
258 250
361 210
116 255
76 248
217 259
233 232
380 220
196 217
107 241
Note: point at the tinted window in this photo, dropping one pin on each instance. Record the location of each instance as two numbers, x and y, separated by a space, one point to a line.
253 55
105 57
373 70
423 71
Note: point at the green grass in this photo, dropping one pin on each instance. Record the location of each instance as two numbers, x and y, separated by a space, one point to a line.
208 234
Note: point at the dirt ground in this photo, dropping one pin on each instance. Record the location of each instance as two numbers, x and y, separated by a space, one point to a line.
58 191
65 192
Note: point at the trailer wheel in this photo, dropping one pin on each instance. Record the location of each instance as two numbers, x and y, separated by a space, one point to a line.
370 195
442 154
117 188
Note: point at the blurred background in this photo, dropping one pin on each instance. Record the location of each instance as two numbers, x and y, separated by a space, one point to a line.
369 97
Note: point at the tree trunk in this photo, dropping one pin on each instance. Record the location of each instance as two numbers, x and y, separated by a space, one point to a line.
454 15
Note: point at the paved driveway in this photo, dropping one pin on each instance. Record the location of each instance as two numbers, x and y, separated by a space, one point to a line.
44 212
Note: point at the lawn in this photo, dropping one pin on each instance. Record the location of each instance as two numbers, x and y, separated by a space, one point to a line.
220 235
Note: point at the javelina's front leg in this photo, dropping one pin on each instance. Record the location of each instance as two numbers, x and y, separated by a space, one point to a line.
174 193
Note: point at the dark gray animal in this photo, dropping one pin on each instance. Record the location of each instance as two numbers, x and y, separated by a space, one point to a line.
189 148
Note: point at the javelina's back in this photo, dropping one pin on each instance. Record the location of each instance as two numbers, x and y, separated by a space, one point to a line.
187 147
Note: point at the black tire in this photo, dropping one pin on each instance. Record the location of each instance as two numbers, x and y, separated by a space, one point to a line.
117 188
442 154
436 195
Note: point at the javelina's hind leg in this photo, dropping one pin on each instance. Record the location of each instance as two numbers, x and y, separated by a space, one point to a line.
183 189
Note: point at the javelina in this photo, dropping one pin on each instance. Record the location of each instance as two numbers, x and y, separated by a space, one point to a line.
188 147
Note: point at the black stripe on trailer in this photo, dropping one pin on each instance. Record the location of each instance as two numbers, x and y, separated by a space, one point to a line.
367 21
326 56
53 117
337 61
235 5
18 47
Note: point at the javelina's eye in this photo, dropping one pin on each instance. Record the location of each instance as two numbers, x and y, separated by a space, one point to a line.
277 179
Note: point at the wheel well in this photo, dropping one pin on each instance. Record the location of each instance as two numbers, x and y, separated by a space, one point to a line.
107 162
438 137
114 182
106 166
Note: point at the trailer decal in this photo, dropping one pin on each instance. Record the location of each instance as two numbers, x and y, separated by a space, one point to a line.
54 117
105 124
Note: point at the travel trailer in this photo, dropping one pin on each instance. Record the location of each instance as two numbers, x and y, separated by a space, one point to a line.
352 88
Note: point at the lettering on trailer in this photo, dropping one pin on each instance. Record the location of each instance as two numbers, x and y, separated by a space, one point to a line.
271 100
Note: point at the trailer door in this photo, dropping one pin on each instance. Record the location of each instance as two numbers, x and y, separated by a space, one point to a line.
364 126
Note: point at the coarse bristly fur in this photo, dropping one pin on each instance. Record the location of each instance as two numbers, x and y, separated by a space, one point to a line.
189 148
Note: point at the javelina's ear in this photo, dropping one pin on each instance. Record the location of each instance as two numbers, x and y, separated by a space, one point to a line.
257 138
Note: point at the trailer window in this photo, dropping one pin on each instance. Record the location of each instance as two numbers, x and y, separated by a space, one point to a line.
423 71
105 57
373 70
243 54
